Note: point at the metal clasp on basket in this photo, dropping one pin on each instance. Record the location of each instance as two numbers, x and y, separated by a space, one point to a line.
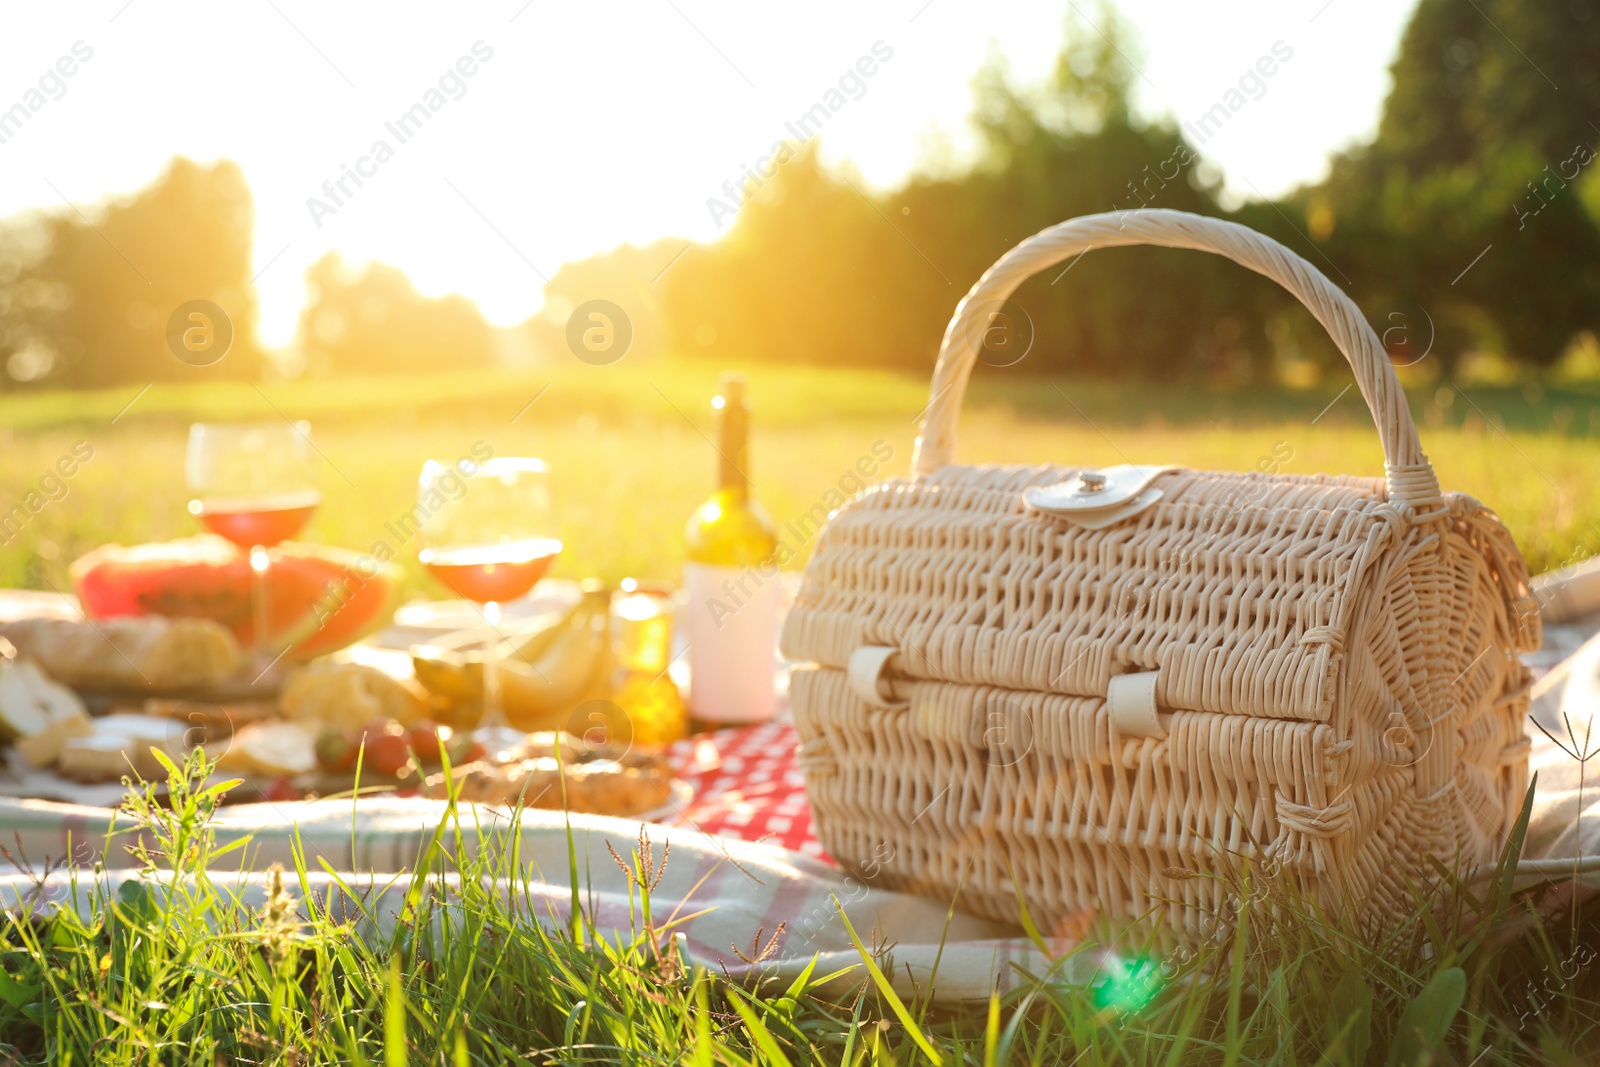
1098 498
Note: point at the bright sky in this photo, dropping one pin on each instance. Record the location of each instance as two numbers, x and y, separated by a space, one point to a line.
594 122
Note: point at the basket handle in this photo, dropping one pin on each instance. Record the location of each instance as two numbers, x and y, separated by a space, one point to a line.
1411 480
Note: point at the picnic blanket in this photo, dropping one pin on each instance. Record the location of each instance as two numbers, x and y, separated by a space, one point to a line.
743 855
747 786
732 889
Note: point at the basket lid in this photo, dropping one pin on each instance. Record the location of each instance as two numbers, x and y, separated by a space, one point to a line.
1237 588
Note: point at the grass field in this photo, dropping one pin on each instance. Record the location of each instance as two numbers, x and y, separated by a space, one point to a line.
197 978
631 451
175 969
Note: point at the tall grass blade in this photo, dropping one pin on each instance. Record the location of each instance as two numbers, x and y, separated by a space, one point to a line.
758 1031
886 991
1348 1027
1427 1018
394 1018
991 1031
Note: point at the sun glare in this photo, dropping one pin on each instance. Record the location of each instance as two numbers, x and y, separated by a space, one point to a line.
479 149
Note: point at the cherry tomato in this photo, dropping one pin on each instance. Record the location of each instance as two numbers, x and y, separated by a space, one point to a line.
387 754
336 751
466 750
424 741
383 727
280 790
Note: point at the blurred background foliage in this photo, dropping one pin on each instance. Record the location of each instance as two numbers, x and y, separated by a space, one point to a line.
74 309
375 322
1473 152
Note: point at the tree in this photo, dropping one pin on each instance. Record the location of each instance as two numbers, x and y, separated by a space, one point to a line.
1470 203
375 322
817 269
627 276
1468 222
92 299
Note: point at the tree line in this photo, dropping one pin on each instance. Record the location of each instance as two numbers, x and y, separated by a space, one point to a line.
1467 224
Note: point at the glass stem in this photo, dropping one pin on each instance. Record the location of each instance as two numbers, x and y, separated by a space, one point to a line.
260 593
493 714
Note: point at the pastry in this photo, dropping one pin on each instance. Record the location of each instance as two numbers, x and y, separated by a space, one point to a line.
602 787
575 751
599 779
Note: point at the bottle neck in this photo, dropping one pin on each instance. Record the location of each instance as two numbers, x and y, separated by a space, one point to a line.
734 448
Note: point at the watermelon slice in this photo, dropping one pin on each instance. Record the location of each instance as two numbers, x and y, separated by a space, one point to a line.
322 598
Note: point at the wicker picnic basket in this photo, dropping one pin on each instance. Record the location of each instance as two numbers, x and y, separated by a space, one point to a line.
1080 688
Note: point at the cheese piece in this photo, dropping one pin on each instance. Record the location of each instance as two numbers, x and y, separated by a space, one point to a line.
44 748
119 745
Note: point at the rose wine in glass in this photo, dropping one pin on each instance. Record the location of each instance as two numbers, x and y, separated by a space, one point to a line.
264 520
488 535
254 484
493 574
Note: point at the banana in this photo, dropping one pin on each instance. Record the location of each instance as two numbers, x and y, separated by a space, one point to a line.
443 672
573 665
527 648
527 645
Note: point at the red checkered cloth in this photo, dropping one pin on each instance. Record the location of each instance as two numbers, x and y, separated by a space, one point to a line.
747 786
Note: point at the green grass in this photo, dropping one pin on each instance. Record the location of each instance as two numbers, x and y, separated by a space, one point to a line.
155 977
174 969
631 451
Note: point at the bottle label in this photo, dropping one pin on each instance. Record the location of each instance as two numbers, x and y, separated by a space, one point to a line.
731 622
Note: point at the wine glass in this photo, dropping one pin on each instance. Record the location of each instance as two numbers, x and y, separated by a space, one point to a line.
254 483
488 533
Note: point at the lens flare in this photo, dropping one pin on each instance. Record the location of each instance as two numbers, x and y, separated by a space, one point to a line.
1129 985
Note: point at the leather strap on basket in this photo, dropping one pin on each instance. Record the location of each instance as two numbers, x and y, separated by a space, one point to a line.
1411 481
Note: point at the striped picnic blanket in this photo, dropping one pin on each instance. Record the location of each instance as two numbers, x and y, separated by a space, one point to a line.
748 789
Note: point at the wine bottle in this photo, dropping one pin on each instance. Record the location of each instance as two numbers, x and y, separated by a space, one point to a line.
731 578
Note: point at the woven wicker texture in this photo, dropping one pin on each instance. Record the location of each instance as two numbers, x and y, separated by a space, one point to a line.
1336 671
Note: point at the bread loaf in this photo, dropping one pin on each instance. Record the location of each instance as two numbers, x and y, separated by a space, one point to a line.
349 695
148 652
